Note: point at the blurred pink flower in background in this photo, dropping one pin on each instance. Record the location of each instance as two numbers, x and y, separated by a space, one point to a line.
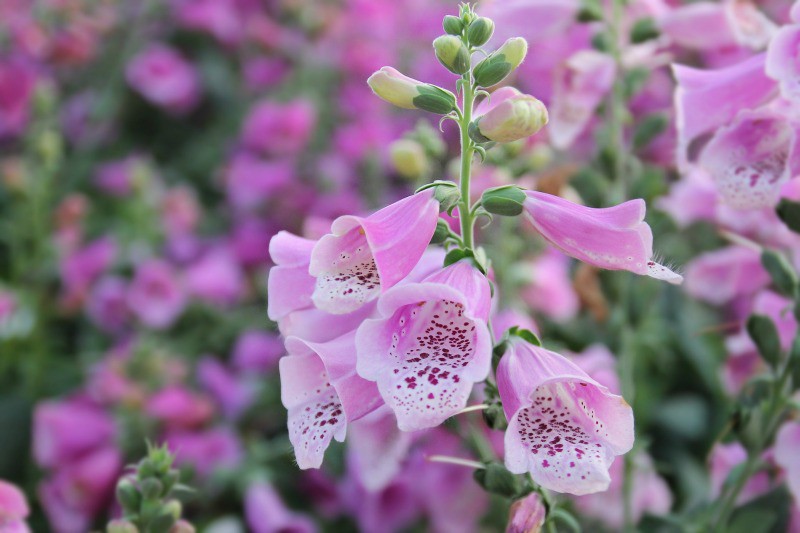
164 77
13 509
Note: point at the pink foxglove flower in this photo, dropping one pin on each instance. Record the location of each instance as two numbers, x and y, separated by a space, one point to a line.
722 460
719 276
564 427
615 238
164 77
13 509
55 440
156 296
714 26
362 257
267 513
508 115
751 158
377 448
786 456
782 58
430 344
289 287
708 99
322 393
580 85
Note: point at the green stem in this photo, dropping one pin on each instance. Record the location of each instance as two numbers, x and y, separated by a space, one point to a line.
467 148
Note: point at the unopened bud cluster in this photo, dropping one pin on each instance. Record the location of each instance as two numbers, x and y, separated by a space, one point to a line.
149 497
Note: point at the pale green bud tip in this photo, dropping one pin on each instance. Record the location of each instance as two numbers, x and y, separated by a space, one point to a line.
394 87
480 31
121 526
514 50
409 159
514 118
452 53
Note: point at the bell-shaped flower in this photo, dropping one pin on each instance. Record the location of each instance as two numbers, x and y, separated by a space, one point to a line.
289 285
508 115
708 99
13 509
429 345
714 26
786 456
720 276
322 394
363 256
783 60
563 427
615 238
581 83
752 158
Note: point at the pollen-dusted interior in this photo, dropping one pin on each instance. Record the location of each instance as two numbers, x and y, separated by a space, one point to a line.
564 436
432 342
313 423
352 278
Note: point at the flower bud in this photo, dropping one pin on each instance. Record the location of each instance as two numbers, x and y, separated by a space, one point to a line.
128 496
513 117
174 508
480 31
409 159
151 488
447 196
506 201
408 93
182 526
452 25
526 515
121 526
452 53
441 233
500 63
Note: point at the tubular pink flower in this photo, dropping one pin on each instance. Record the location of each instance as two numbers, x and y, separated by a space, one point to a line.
713 26
782 61
722 275
13 509
786 456
708 99
508 115
289 286
615 238
363 256
752 158
322 393
580 85
564 427
429 346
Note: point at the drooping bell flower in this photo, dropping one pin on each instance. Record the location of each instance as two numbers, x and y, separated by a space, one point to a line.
708 99
563 427
377 448
581 83
322 394
751 158
13 509
363 256
782 63
429 345
714 26
289 285
786 456
614 238
722 275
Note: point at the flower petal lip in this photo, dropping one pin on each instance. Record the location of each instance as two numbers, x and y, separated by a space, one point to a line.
428 348
364 256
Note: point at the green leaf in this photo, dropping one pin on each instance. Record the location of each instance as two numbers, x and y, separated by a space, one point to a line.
644 30
497 480
781 272
648 129
765 335
789 212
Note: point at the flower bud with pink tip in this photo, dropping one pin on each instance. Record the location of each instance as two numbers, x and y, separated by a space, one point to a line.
614 238
429 345
363 256
527 515
507 116
563 427
322 393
